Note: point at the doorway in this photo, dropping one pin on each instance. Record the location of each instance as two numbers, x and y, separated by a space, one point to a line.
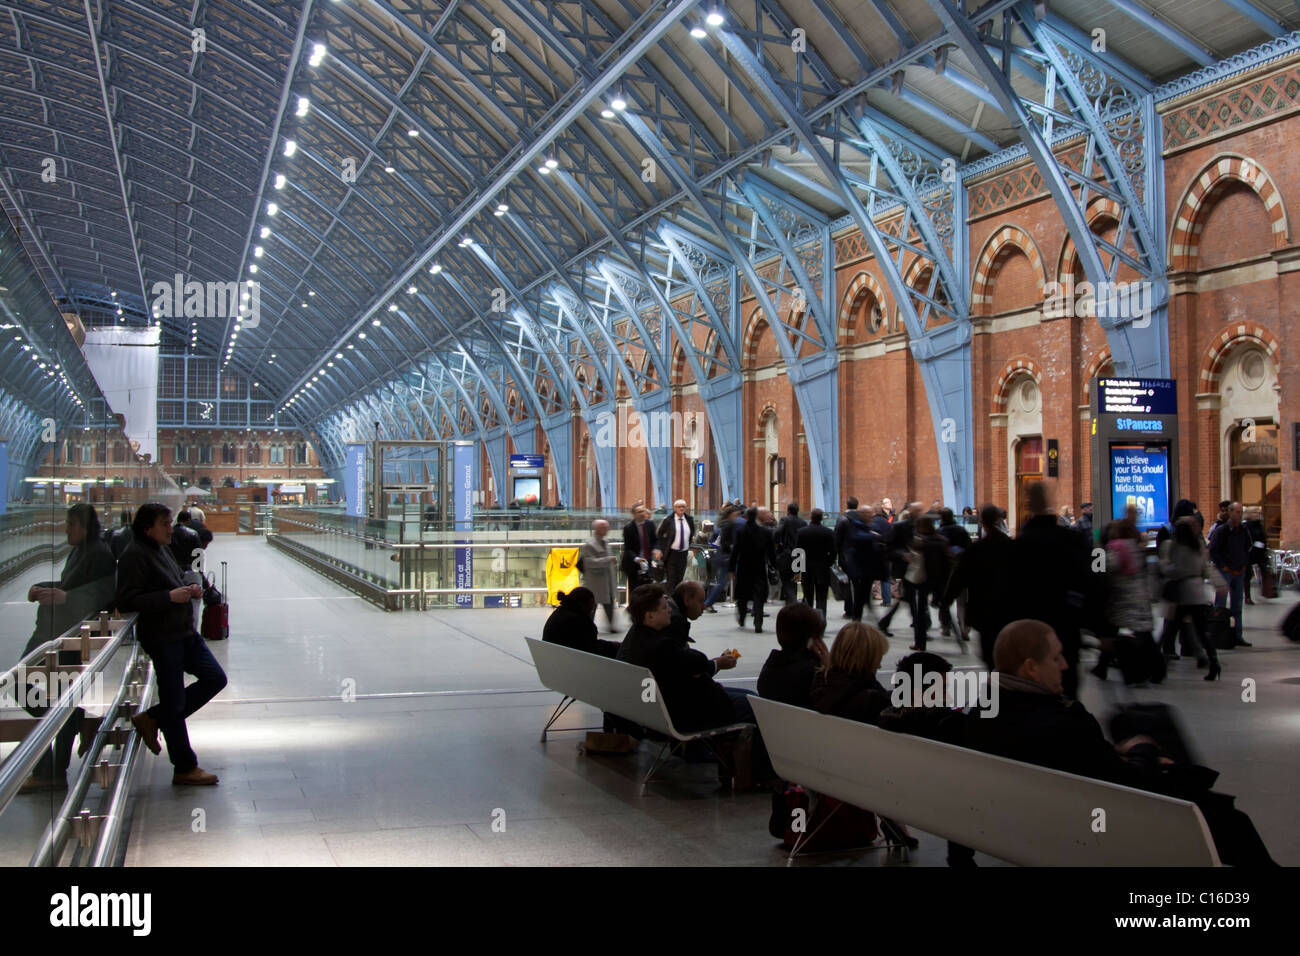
1029 468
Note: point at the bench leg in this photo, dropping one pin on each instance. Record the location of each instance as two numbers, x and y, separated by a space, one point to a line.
658 762
559 712
722 761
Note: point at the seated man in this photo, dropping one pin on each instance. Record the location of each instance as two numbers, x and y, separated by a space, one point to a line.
787 674
684 676
687 605
1036 724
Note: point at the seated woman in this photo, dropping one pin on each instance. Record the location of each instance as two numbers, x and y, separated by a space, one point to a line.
573 624
848 687
788 673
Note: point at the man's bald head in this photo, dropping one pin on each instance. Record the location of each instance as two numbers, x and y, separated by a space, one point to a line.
1030 649
690 595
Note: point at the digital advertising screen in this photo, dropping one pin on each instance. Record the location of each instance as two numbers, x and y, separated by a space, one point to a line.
1139 477
528 492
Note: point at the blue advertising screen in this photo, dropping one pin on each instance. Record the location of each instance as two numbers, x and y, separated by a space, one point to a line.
1139 476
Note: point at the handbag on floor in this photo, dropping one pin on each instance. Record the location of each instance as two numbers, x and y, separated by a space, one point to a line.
216 617
834 825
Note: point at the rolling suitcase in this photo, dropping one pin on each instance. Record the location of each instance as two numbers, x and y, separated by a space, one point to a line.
216 617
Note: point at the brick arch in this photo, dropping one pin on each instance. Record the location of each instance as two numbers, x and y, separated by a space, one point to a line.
1093 369
1098 210
767 408
998 245
753 331
863 281
1012 370
677 368
1185 235
1230 339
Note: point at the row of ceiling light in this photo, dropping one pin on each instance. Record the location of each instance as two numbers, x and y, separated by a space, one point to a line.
617 104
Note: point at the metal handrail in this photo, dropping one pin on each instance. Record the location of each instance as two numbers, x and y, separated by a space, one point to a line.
110 833
50 846
15 770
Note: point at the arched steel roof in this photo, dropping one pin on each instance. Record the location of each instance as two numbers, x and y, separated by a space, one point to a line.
466 237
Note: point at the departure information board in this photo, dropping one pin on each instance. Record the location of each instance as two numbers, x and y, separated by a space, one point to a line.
1137 396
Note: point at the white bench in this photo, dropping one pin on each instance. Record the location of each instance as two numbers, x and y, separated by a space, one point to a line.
1014 811
616 687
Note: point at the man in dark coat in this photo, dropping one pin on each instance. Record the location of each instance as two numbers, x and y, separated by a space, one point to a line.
881 525
638 548
1051 578
685 605
863 554
841 533
150 583
84 588
754 553
900 543
1036 723
983 572
729 522
815 543
1230 551
787 534
683 676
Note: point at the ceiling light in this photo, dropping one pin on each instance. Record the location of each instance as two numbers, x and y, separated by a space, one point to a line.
502 209
113 294
304 105
257 252
412 132
435 269
252 267
338 355
318 52
304 305
266 231
353 346
389 169
375 323
714 18
551 164
311 292
607 113
465 242
618 103
411 290
272 209
361 335
392 307
698 32
290 147
279 180
544 170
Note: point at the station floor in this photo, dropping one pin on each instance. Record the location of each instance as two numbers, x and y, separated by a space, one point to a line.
441 741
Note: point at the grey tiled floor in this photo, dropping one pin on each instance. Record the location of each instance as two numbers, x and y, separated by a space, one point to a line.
441 745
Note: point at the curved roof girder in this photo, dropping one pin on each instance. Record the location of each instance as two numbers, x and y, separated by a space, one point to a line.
1139 342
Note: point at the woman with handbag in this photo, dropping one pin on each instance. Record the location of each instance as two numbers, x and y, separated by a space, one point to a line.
1185 572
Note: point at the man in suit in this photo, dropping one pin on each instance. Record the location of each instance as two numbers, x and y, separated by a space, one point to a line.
786 541
638 548
841 532
674 543
815 544
1231 549
754 552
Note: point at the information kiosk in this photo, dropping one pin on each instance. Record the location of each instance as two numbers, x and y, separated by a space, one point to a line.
1134 450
